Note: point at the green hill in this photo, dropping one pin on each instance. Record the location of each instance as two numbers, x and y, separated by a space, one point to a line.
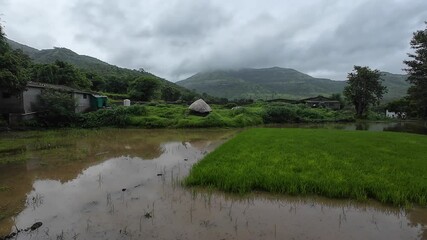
86 63
275 82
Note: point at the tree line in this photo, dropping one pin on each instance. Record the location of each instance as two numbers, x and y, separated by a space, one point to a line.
365 88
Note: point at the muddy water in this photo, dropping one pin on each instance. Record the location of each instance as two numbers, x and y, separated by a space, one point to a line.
124 184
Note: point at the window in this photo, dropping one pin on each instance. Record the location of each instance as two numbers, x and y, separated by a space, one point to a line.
85 96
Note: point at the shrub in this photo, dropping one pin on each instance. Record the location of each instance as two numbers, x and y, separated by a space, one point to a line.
230 105
280 114
118 116
57 108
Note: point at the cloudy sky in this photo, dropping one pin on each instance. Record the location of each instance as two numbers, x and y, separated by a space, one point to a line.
177 38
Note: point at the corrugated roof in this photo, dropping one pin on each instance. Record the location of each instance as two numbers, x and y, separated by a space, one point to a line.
61 88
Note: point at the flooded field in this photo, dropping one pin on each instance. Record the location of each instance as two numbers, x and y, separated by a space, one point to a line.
125 184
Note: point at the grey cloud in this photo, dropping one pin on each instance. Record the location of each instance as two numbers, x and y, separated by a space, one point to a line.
191 19
177 38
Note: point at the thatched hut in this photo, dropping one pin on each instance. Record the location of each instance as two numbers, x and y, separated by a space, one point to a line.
200 107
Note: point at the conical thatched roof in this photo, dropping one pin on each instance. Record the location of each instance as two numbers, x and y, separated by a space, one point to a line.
200 106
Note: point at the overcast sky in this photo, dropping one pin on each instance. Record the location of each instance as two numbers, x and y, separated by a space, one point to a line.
177 38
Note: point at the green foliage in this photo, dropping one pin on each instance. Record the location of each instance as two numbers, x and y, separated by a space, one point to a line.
400 106
291 113
364 88
116 85
331 163
144 88
338 97
60 73
4 47
267 83
230 105
118 116
417 72
116 96
98 83
280 114
57 108
170 94
13 78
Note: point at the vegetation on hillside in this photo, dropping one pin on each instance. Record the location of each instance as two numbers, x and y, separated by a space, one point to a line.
13 65
331 163
65 67
273 83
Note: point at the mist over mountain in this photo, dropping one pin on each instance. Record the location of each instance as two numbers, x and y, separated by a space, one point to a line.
276 82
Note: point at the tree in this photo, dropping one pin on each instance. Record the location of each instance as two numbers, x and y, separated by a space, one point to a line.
401 105
61 73
170 93
417 71
364 88
13 65
116 84
98 83
145 88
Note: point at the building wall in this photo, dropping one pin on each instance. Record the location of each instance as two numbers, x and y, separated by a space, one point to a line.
31 99
11 104
83 102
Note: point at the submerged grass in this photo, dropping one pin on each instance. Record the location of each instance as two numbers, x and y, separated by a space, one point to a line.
389 167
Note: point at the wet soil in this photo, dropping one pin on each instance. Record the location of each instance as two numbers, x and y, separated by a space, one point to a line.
125 184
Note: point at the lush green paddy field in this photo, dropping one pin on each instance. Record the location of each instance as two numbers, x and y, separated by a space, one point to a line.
386 166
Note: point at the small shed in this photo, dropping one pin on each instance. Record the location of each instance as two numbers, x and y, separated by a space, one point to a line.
200 106
98 101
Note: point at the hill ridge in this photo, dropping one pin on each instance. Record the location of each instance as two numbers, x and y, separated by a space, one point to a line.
277 82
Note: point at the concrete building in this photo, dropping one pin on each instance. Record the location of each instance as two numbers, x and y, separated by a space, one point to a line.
25 104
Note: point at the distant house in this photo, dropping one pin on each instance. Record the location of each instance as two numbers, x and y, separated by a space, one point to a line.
401 115
25 104
321 101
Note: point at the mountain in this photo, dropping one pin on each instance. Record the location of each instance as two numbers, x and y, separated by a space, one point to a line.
26 49
66 55
276 82
85 63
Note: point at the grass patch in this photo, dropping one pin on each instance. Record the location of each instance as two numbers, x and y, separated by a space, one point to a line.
177 116
386 166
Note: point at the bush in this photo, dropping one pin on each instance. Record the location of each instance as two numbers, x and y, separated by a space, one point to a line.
280 114
151 122
118 116
136 110
57 108
230 105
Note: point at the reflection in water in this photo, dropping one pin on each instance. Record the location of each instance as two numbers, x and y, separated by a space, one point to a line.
113 192
406 126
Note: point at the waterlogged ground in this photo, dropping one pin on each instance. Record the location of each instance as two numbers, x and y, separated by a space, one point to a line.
124 184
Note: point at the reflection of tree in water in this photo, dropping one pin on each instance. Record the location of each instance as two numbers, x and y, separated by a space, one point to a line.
411 127
362 126
418 218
